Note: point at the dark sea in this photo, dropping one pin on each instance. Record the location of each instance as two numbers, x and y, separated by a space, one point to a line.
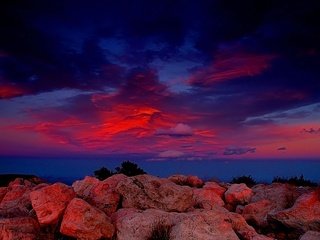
70 169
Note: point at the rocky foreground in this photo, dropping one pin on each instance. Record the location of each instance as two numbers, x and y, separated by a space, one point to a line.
131 208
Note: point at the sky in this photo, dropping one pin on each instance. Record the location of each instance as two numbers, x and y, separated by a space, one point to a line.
159 80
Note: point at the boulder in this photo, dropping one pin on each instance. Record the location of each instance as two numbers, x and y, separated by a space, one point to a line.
21 182
268 199
303 216
280 195
83 187
191 181
50 202
85 222
310 235
145 191
256 213
16 202
100 194
215 224
238 194
25 228
215 187
206 198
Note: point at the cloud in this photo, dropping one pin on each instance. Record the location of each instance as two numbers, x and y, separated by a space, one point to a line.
312 131
171 154
231 65
282 149
9 91
238 150
180 130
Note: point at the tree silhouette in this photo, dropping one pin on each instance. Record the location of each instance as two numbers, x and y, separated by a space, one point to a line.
103 173
130 169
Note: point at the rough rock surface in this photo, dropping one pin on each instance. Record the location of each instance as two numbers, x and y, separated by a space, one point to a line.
100 194
215 187
50 202
84 222
16 202
206 199
303 216
310 235
83 187
146 191
216 224
19 228
269 199
191 181
238 194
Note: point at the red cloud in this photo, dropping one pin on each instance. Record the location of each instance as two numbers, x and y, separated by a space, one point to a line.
230 66
9 91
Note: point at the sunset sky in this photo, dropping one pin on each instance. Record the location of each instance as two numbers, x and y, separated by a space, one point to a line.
190 80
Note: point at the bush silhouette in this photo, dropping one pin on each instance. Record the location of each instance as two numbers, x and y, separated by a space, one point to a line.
248 180
295 181
103 173
130 169
127 168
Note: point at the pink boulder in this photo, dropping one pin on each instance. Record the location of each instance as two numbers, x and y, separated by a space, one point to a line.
146 191
191 181
303 216
238 194
50 202
100 194
16 202
84 222
215 187
268 199
206 198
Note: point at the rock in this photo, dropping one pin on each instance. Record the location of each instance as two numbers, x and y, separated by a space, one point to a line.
20 182
268 199
215 187
50 202
310 235
84 222
238 194
83 187
303 216
215 224
3 192
191 181
206 199
16 202
256 213
24 228
145 191
100 194
280 195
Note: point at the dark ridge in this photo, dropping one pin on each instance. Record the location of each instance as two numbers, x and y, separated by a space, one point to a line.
5 179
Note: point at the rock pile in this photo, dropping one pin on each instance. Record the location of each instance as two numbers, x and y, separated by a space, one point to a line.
123 208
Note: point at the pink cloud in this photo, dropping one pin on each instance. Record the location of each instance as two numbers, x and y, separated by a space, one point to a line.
231 65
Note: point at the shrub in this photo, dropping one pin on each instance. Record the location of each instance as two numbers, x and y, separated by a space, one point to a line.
103 173
295 181
130 169
160 231
248 180
127 168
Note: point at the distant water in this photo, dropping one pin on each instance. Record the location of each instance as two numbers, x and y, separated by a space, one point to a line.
70 169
